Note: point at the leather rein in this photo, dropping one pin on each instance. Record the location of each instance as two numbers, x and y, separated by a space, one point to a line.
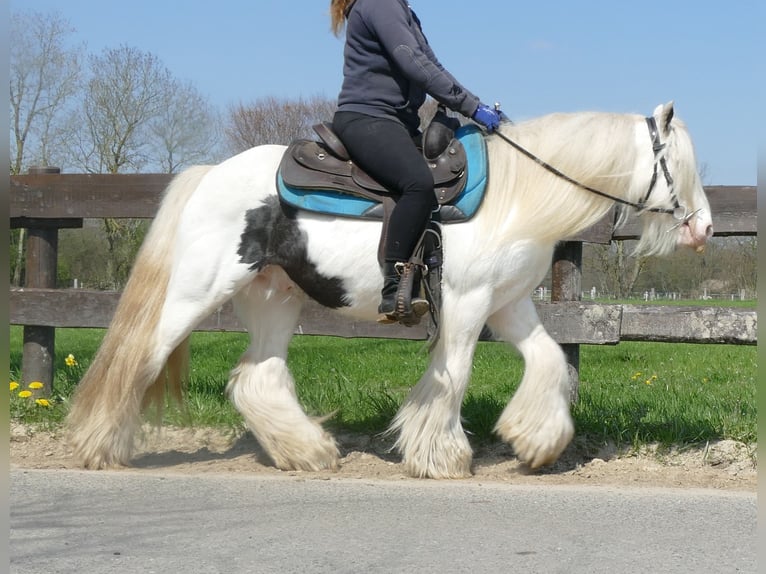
677 211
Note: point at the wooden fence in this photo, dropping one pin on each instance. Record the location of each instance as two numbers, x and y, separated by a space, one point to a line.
45 201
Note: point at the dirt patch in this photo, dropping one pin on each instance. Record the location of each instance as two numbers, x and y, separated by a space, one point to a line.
721 465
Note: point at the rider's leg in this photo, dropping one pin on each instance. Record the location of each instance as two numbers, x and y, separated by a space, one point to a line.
385 149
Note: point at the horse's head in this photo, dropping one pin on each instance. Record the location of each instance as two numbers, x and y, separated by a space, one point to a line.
677 212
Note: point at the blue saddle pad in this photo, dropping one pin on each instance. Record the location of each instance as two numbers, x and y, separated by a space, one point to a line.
346 205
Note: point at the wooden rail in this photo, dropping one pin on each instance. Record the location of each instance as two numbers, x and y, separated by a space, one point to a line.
45 201
567 322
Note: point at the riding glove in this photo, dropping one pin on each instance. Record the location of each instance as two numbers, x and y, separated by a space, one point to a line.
488 117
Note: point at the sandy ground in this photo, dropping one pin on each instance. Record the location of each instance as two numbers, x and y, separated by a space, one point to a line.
722 465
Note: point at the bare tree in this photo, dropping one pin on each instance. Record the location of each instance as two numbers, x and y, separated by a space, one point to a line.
44 76
185 131
127 90
273 121
616 269
745 263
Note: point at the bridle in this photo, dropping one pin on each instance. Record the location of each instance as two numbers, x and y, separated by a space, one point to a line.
678 211
659 158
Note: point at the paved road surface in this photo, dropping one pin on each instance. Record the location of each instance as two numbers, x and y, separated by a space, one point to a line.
125 522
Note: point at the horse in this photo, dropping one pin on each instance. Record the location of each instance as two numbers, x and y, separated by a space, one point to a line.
222 234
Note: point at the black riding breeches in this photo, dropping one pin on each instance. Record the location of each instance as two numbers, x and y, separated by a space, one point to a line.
384 149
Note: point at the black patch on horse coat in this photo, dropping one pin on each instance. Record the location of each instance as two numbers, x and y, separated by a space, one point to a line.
272 237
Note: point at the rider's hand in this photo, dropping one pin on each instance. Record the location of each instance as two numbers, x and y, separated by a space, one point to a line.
488 117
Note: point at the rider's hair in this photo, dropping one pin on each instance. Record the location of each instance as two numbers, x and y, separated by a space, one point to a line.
338 14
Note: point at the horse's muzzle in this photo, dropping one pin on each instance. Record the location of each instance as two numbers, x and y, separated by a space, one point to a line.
695 232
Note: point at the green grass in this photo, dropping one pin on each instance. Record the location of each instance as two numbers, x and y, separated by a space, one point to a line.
630 394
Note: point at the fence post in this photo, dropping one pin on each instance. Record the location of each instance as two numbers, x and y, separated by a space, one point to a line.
41 266
566 285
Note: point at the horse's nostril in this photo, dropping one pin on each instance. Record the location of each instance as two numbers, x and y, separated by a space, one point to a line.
709 231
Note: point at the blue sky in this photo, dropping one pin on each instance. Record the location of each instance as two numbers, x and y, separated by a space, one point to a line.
534 57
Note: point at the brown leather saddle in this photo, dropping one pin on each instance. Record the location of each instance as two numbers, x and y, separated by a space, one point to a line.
326 165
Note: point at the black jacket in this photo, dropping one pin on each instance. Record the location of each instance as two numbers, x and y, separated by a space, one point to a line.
389 67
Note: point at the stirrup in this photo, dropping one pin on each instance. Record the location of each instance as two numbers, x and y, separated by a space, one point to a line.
419 308
407 309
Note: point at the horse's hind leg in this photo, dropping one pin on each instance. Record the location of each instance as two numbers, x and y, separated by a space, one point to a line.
261 386
537 421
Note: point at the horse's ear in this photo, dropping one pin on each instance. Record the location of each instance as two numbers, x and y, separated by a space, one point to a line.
663 114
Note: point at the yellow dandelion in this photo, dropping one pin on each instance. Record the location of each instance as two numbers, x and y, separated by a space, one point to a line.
43 402
70 360
25 394
636 376
14 386
36 385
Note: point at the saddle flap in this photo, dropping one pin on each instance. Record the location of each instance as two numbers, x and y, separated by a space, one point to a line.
308 165
363 179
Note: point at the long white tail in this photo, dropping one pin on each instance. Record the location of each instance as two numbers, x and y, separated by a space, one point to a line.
128 371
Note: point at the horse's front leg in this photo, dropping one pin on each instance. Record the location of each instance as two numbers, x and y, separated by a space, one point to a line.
537 421
431 437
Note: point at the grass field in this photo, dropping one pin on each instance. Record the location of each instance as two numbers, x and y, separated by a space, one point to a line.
630 394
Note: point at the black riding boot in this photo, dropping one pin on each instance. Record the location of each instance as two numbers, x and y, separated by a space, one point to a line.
397 304
388 293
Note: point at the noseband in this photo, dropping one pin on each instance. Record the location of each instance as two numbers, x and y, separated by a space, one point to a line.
678 211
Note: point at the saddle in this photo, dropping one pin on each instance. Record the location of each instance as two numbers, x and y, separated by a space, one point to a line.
319 176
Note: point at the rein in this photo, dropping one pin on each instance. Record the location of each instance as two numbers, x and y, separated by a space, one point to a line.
678 212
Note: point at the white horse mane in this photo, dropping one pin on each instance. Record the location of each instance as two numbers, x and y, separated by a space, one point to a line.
607 151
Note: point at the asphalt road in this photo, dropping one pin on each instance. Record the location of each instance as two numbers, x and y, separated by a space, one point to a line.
116 522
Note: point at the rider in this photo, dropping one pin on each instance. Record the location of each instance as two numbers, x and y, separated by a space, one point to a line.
388 71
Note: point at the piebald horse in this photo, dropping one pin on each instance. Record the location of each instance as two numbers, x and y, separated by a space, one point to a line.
221 233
